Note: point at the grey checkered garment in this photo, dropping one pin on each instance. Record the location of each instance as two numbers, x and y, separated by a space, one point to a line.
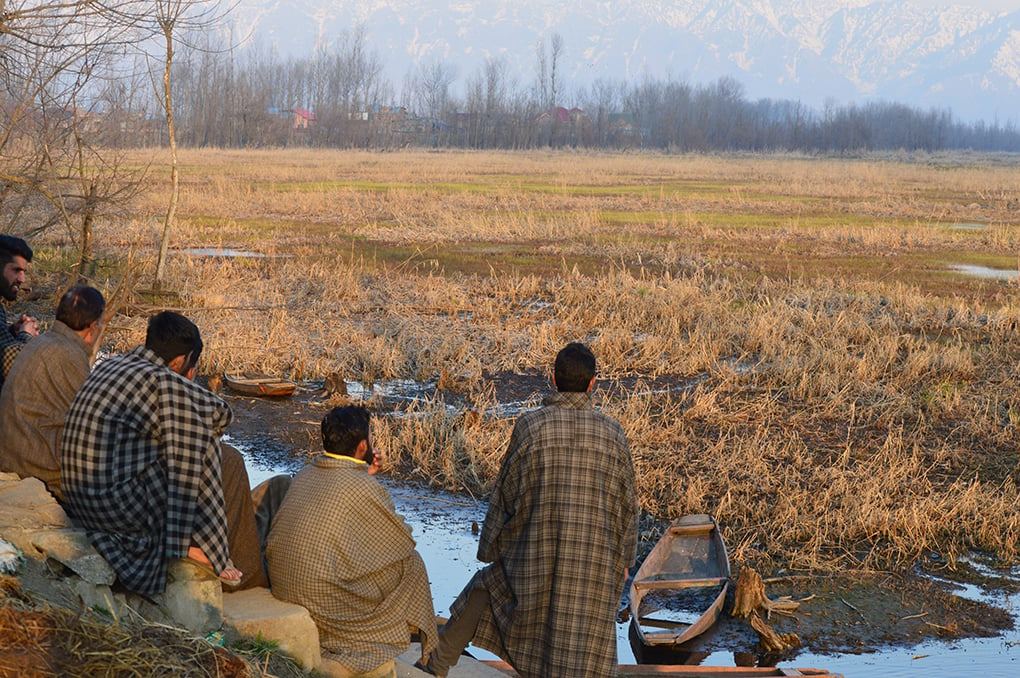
10 343
560 530
141 467
338 548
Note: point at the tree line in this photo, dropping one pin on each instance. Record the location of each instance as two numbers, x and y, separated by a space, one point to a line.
246 98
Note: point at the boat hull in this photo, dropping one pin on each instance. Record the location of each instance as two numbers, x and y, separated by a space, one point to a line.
259 385
679 591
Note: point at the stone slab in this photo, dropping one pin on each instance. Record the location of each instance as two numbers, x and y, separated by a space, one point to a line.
255 612
193 597
71 547
27 508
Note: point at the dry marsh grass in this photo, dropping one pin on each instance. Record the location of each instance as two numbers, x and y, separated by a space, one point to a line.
779 336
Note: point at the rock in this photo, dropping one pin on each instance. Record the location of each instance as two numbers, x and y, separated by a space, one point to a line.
255 613
193 597
333 669
71 548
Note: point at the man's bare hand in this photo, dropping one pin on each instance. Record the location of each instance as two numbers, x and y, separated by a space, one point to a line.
26 324
376 464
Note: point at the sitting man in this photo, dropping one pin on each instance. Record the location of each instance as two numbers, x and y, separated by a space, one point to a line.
15 254
43 381
338 548
559 537
142 468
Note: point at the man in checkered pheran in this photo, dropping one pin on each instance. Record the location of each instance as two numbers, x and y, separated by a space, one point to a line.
141 461
338 547
560 535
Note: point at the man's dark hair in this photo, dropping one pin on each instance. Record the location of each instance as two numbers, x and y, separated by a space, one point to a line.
171 334
343 428
574 368
12 246
80 307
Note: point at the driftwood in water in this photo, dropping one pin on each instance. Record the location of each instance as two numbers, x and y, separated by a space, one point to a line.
749 598
777 643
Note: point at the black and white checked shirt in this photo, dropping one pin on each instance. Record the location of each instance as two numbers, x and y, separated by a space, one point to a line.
10 343
141 467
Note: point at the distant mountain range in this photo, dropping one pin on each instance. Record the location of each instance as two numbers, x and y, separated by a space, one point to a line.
813 51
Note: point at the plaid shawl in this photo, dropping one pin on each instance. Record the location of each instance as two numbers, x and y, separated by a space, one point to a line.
10 344
560 530
338 548
141 467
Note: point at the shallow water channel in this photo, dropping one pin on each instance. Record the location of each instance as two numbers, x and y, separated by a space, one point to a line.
442 525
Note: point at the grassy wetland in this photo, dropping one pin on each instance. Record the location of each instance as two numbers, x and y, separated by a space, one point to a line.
783 339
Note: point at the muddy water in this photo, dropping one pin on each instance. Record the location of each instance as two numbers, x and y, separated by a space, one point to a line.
443 523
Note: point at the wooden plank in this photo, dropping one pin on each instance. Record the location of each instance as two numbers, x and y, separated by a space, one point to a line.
686 671
679 584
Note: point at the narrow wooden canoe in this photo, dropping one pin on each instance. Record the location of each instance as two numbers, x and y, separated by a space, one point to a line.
679 591
259 385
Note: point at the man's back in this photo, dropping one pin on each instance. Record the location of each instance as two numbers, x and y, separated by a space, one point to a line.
37 393
562 526
141 468
338 547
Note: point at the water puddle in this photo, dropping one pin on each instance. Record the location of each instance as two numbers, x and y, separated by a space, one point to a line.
969 227
229 253
984 272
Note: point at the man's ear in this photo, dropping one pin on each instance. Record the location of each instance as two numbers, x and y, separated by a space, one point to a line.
177 364
361 450
590 384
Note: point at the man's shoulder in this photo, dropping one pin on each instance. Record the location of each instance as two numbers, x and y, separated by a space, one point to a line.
553 410
55 343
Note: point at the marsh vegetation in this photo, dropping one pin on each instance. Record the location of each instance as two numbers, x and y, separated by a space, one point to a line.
783 338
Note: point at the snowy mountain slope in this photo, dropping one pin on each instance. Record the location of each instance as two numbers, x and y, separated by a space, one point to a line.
813 51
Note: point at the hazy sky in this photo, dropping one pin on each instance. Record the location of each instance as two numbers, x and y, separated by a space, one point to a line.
990 5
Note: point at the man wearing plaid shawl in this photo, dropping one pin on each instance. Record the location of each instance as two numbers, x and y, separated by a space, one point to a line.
338 547
560 534
15 254
141 464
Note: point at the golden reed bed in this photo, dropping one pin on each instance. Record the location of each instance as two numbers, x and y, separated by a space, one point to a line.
781 337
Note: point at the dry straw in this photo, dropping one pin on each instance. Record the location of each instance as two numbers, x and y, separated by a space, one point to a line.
777 335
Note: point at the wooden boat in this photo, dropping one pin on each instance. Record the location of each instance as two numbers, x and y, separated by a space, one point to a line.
679 591
649 670
259 385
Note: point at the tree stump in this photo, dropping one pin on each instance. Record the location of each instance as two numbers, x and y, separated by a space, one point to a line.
749 598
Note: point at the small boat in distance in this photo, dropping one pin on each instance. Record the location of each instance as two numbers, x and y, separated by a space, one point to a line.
259 384
679 590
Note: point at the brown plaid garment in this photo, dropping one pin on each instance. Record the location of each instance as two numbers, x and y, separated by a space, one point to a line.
44 379
560 530
338 548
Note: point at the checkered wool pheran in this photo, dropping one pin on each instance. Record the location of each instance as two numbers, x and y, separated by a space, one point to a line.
560 531
141 467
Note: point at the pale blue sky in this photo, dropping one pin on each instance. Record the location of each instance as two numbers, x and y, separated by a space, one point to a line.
989 5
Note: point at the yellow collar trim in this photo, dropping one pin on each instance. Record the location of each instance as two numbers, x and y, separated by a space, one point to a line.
344 457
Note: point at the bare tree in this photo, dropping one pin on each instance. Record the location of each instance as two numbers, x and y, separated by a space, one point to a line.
174 18
54 55
555 54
